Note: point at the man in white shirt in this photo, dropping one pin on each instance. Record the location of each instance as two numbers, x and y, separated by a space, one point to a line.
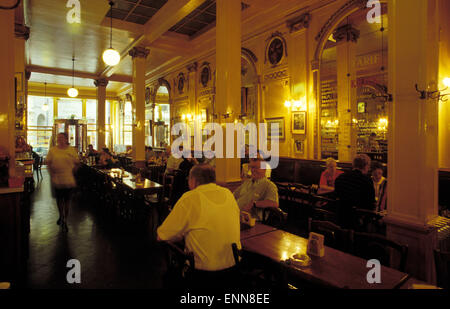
207 217
172 162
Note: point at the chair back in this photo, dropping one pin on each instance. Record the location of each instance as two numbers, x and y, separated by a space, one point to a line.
177 268
442 264
375 246
335 237
275 217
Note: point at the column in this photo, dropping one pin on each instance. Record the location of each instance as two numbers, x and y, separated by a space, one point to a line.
193 106
139 55
346 38
22 33
413 132
444 72
228 79
101 111
7 105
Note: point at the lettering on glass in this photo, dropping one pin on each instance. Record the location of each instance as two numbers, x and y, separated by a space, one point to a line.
74 15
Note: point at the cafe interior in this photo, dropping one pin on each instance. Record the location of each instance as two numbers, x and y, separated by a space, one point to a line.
343 79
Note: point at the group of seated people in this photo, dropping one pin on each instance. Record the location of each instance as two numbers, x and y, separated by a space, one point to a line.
356 187
199 218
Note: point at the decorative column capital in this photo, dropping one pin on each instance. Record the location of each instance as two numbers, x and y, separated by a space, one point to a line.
139 52
299 23
192 67
346 32
102 82
27 74
22 31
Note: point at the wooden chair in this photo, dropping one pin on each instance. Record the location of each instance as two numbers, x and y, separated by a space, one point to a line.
368 221
275 217
374 246
335 237
179 263
442 264
37 165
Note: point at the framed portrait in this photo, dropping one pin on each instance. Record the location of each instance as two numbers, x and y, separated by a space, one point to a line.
270 122
298 122
361 107
299 147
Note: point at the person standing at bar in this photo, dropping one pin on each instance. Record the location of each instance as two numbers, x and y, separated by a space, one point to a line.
62 160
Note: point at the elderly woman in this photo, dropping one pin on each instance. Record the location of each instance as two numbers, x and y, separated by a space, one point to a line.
328 176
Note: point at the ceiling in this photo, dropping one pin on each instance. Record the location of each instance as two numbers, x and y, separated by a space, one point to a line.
135 11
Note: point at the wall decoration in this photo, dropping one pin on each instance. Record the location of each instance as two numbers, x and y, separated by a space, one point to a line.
205 74
180 83
299 147
270 122
361 107
298 122
276 49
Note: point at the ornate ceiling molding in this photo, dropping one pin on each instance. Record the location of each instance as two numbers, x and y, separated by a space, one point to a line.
346 33
102 82
139 52
299 23
22 31
192 67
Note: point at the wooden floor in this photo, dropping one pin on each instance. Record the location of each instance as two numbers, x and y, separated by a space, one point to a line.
110 256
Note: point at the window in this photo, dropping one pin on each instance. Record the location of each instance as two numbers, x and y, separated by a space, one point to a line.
70 108
128 123
40 123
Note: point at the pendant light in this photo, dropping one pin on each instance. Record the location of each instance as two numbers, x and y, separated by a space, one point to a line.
72 92
111 56
45 106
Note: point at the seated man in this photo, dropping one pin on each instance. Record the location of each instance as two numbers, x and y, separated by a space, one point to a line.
150 155
106 159
257 192
207 217
91 151
379 185
355 189
172 162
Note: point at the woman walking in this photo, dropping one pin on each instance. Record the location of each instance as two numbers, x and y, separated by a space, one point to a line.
61 161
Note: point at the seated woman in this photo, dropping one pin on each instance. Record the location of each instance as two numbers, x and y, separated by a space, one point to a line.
380 185
328 177
107 159
21 145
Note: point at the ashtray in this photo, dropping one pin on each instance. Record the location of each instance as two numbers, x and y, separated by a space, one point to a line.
300 260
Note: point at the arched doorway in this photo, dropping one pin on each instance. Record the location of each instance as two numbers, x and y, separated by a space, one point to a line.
350 75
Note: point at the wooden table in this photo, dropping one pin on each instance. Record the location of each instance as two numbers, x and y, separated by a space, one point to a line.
258 229
335 269
147 187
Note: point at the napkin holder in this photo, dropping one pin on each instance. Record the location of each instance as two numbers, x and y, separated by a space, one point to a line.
247 219
315 245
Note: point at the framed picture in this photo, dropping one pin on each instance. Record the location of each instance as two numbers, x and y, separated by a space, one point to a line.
271 122
298 122
361 107
299 147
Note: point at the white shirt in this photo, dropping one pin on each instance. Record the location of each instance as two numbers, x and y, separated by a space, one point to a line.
61 163
208 218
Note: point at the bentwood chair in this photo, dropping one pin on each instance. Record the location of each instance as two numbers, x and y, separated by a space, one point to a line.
442 264
179 264
275 217
374 246
335 237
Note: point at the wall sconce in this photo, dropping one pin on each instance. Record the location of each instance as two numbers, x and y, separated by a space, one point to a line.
435 94
298 105
183 117
287 104
189 117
